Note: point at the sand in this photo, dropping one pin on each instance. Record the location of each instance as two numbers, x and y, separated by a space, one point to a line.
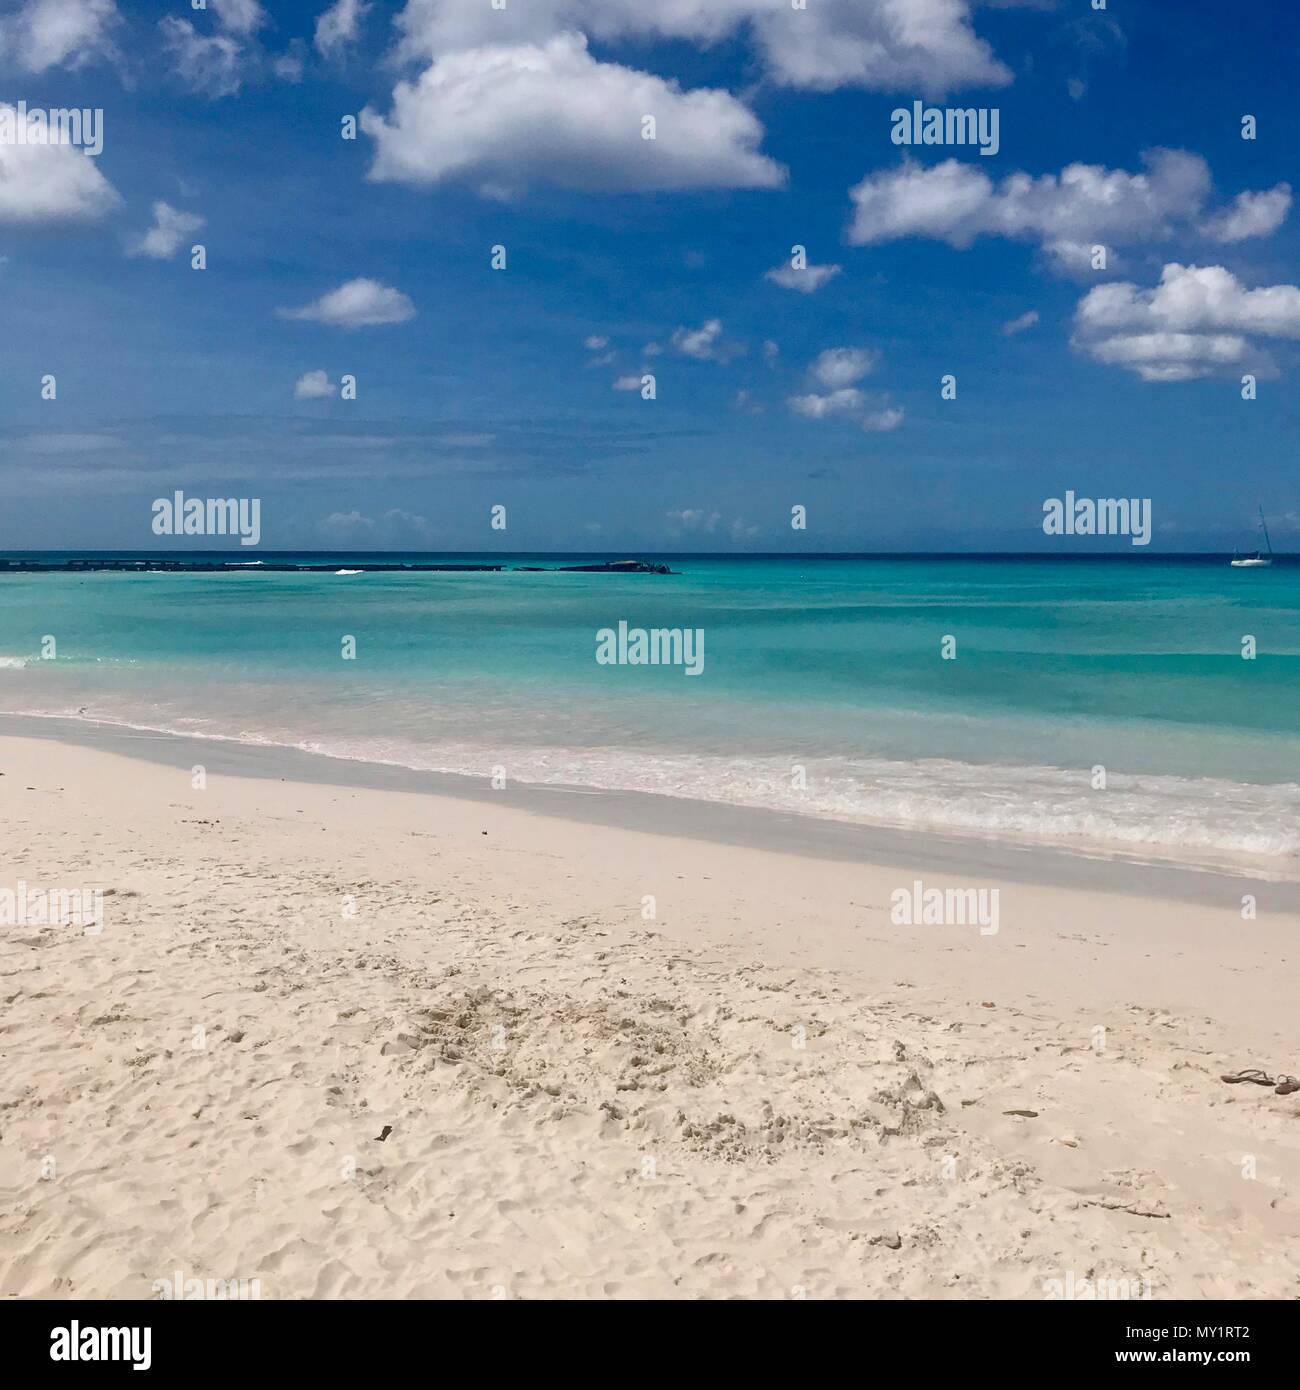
609 1063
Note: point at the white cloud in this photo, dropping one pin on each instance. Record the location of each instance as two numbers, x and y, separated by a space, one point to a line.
848 400
882 44
339 26
837 371
359 303
58 33
1193 324
705 343
390 527
838 367
214 64
312 386
1065 213
1077 257
503 117
241 17
629 382
348 524
164 238
595 342
807 280
882 421
50 183
1171 356
288 66
698 521
698 342
1250 215
1018 325
208 64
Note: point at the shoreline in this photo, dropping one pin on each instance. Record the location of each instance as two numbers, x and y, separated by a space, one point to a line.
1045 863
376 1042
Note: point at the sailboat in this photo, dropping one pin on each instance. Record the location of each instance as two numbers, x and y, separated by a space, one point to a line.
1256 559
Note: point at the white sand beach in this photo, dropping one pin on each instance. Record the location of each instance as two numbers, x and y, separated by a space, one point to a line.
767 1088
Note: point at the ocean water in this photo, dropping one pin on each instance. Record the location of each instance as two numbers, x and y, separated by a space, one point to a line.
832 666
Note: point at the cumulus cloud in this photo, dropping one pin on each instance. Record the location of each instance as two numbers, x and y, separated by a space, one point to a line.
695 519
58 33
842 366
599 343
1251 215
698 521
1195 323
837 371
359 303
339 26
808 280
503 117
1018 325
891 45
169 230
698 342
389 528
848 400
216 64
705 343
630 381
882 421
312 386
242 17
1066 213
51 182
207 63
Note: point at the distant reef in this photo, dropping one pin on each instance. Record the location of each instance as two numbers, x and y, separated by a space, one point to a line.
167 566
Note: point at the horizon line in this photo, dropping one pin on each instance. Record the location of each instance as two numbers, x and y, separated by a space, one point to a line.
1132 553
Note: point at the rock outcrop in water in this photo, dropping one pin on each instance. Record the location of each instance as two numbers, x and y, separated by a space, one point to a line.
124 565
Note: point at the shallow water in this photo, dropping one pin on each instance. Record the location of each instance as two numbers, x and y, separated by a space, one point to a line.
823 689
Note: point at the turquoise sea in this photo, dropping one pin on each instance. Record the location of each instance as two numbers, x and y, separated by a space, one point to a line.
829 665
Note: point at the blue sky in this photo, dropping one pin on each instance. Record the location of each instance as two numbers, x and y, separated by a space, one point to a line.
521 127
